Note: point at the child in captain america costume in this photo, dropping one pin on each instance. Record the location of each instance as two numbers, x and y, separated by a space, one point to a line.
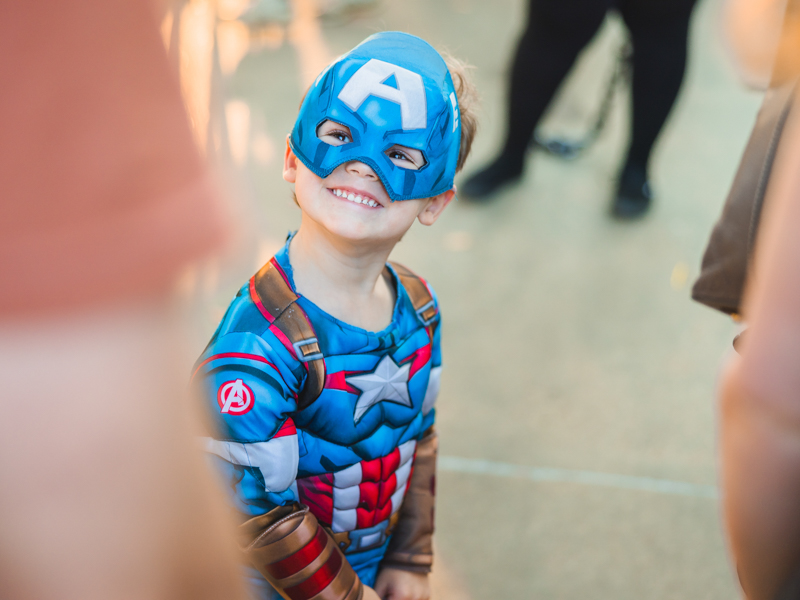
322 377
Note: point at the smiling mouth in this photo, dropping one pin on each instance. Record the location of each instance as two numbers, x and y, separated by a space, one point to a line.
365 200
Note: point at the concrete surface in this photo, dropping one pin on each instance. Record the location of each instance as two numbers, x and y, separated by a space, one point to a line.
575 360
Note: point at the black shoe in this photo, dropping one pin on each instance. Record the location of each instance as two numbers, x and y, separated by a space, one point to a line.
491 178
634 194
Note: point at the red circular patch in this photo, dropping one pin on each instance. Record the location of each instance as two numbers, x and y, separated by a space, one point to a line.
235 398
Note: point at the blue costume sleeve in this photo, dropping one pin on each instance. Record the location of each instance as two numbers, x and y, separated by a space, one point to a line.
248 393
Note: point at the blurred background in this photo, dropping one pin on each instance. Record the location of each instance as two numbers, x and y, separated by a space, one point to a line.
576 413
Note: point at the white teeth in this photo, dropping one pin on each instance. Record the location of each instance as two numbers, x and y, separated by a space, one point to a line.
355 198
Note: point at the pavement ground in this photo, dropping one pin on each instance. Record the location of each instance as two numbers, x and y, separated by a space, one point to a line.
576 413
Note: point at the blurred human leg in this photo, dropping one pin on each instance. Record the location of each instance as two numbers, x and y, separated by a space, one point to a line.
659 31
556 32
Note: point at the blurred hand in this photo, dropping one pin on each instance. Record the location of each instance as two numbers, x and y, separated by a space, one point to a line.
396 584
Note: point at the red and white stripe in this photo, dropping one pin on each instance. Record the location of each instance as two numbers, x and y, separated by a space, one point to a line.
371 491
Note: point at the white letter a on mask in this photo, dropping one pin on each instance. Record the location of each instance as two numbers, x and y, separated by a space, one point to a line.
409 94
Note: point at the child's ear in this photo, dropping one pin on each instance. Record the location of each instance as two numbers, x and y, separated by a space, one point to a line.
289 163
435 207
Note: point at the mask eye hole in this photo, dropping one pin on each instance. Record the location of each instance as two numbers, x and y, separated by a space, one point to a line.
406 158
333 133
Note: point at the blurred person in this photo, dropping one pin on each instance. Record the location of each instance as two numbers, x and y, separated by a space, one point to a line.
760 386
556 32
261 12
323 375
105 200
760 412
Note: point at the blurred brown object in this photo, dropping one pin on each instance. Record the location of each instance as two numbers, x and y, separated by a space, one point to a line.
728 254
105 199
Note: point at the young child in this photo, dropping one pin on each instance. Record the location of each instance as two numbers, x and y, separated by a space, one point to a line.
323 374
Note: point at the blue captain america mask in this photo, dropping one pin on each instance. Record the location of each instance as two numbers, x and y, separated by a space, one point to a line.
393 88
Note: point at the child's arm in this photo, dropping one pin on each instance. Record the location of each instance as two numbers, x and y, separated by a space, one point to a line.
410 554
298 557
411 547
248 392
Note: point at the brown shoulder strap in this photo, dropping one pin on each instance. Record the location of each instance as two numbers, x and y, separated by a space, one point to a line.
419 293
277 302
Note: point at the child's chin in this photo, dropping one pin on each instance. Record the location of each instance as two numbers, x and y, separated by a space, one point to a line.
354 232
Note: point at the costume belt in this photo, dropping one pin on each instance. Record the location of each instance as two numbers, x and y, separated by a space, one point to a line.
359 540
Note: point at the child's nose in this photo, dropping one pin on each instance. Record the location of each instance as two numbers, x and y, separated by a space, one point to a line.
360 169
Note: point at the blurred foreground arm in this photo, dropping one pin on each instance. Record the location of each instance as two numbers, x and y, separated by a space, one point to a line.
104 200
760 396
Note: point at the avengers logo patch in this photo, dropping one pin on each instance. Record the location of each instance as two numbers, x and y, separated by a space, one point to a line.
235 398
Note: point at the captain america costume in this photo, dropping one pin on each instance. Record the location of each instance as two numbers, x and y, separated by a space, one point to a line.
348 455
324 431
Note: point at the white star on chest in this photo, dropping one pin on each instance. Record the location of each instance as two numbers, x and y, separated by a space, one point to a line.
387 382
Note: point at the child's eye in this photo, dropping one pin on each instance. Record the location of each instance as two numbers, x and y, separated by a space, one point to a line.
398 155
340 136
406 158
334 134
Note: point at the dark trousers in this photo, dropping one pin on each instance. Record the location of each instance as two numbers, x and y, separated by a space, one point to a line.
557 30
